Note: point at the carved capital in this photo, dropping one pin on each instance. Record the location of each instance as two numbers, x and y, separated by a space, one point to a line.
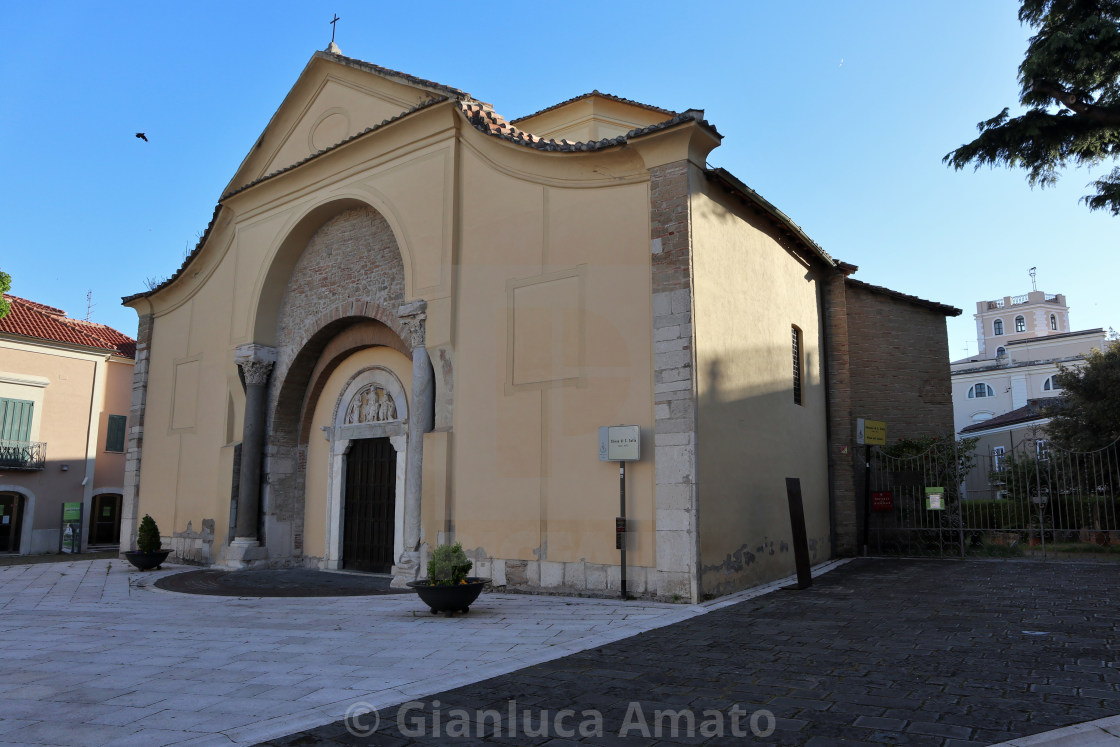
414 314
255 372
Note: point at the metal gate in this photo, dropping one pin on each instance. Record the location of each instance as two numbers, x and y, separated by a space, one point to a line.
1033 500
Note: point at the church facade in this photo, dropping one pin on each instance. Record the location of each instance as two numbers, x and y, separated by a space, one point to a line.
409 317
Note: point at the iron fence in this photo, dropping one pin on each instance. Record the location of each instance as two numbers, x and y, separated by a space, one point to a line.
1018 501
31 455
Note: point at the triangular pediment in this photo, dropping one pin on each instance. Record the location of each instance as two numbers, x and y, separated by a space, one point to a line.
334 99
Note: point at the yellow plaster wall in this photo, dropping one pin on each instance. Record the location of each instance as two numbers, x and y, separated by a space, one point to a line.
117 399
751 436
527 482
592 118
318 448
186 474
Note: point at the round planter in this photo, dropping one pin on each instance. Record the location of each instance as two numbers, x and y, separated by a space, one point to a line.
449 599
146 561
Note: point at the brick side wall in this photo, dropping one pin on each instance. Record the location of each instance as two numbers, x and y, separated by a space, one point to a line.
674 383
900 365
840 422
899 358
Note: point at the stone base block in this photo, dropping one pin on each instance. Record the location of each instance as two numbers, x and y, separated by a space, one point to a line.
407 568
244 552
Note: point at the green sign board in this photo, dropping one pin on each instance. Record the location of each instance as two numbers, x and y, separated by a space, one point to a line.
935 499
70 539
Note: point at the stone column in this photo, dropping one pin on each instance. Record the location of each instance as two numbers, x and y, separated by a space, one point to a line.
421 419
255 362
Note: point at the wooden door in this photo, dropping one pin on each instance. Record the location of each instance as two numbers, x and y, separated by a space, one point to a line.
370 503
11 521
105 521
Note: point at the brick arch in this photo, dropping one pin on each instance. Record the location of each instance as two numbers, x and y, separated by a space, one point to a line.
341 293
361 335
267 295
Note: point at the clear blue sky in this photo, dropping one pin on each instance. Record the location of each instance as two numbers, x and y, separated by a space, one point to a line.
837 112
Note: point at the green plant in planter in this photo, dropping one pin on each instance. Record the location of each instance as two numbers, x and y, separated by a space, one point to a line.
448 566
147 536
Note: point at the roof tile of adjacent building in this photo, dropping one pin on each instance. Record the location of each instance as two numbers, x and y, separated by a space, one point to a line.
1058 336
38 321
1033 410
943 308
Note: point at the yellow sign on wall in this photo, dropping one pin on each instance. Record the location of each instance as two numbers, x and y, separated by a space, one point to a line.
872 432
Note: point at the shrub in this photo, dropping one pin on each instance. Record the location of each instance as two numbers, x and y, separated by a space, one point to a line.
448 566
147 536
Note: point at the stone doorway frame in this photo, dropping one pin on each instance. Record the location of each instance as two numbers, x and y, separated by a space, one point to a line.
341 435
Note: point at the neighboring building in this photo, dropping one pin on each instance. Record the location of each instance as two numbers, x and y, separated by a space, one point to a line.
1004 435
1022 342
409 317
65 393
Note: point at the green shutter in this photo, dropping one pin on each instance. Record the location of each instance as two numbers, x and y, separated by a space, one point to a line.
15 419
114 439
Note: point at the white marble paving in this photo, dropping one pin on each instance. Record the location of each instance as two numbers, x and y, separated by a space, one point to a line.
93 654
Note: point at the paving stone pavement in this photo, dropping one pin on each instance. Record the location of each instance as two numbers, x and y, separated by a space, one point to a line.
92 653
917 652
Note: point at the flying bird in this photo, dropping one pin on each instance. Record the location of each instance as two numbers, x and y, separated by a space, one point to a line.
142 136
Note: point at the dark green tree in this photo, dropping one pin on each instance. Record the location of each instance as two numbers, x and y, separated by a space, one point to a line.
5 286
1087 415
1070 85
147 536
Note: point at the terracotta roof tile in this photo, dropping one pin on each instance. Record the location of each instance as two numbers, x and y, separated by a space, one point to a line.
596 92
486 120
30 319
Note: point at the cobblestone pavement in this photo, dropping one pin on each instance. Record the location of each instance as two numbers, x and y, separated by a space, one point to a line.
919 652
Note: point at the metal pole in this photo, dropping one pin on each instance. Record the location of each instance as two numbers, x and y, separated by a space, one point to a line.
955 474
622 513
866 496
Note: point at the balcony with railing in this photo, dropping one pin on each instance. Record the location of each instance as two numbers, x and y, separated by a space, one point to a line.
31 455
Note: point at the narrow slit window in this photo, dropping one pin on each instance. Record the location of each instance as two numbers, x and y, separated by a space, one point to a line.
797 400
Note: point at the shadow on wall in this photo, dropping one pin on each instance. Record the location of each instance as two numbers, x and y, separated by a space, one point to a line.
31 504
752 436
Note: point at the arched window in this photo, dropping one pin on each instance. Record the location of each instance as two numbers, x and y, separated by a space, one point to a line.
1051 384
1020 324
998 326
1001 350
980 390
1053 322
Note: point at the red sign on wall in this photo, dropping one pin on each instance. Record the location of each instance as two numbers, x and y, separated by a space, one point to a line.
882 500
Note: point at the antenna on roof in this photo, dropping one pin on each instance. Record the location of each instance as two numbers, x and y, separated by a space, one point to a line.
89 305
1034 283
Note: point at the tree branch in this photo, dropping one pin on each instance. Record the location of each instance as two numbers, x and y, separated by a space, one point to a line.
1069 100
